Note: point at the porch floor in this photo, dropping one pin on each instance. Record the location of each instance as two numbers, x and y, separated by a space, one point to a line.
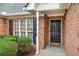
52 51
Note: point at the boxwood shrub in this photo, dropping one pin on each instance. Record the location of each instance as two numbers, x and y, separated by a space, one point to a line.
10 37
24 44
1 36
28 44
10 45
8 48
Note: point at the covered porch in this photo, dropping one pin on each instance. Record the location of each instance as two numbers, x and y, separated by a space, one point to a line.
52 51
43 17
44 36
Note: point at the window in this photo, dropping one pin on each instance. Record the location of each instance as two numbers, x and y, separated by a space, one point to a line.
24 28
19 27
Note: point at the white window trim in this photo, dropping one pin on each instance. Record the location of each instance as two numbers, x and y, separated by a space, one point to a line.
19 29
13 28
26 28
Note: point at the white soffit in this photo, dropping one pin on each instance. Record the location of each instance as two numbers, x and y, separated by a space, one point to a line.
53 12
47 6
11 14
51 6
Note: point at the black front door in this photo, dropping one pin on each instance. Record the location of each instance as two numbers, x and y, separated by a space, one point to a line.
55 31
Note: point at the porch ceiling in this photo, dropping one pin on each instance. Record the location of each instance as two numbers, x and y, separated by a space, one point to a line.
55 12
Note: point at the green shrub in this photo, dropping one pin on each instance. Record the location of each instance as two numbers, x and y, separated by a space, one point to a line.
10 37
22 41
8 48
1 36
28 44
24 44
8 45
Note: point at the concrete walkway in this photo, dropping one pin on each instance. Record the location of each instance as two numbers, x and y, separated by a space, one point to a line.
52 51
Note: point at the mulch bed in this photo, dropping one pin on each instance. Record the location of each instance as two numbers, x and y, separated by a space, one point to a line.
31 52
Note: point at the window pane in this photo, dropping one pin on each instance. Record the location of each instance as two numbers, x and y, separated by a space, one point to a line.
23 34
23 28
29 25
16 27
30 34
17 33
23 25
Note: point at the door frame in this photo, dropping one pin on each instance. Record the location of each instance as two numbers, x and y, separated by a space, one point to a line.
61 27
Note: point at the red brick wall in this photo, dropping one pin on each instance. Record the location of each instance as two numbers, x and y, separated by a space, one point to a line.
3 27
63 27
7 26
41 32
46 30
72 30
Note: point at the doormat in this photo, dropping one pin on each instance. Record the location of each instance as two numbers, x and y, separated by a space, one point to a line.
55 44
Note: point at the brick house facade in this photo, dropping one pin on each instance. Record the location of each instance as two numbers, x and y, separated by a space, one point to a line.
70 28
